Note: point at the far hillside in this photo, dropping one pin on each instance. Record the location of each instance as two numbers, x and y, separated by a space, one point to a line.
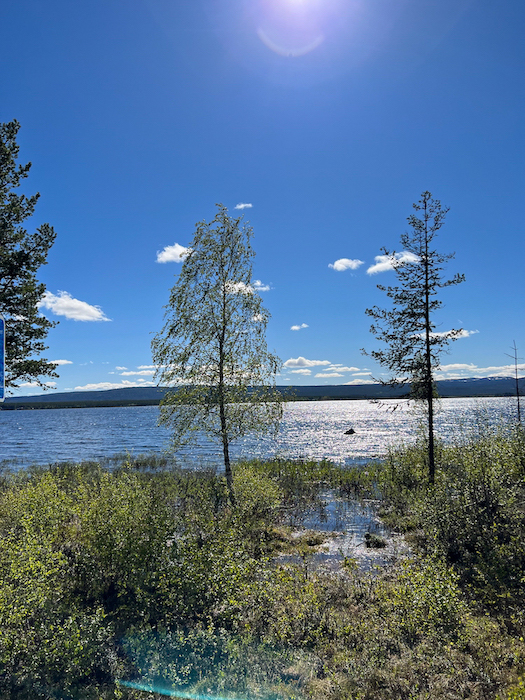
151 396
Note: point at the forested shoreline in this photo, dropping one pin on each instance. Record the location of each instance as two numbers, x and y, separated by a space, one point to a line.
152 396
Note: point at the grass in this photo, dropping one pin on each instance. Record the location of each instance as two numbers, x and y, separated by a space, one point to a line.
139 580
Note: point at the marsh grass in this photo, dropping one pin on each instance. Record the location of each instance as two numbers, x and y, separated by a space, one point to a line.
473 517
140 579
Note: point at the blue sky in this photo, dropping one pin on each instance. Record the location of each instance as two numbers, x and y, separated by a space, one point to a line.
325 118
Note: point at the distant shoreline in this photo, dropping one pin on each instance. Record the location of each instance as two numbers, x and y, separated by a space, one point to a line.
152 396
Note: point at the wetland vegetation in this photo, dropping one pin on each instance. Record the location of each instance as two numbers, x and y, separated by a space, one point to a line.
143 581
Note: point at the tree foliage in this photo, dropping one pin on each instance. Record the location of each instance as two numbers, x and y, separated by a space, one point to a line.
212 348
21 254
408 329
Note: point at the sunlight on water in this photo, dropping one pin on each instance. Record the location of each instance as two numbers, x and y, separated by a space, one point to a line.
310 429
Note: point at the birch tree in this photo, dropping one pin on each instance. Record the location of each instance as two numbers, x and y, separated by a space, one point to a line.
212 349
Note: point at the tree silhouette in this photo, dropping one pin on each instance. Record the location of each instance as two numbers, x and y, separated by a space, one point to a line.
21 254
408 329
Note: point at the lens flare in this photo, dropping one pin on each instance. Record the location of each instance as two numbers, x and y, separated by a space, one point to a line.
168 693
292 28
289 50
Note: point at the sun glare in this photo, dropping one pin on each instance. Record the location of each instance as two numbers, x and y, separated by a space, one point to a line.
287 49
292 28
304 3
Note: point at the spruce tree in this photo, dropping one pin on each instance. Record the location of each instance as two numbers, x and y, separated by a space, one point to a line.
21 255
408 329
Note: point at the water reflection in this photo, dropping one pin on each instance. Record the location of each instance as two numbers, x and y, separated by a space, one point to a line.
310 429
346 524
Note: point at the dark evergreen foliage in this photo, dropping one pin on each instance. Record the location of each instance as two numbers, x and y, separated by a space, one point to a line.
21 254
408 329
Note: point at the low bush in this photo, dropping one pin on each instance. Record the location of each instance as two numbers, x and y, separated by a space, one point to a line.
473 517
144 581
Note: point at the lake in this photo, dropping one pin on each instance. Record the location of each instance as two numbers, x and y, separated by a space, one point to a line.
310 429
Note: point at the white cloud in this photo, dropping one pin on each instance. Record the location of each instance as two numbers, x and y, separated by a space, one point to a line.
345 264
298 328
121 369
383 263
303 362
361 374
103 386
64 304
457 365
61 362
36 385
242 288
142 367
141 372
463 333
502 370
443 376
260 286
340 368
306 372
243 205
357 382
238 288
172 253
329 375
452 334
465 371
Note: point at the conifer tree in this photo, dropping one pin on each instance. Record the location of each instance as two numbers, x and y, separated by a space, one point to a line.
408 329
21 254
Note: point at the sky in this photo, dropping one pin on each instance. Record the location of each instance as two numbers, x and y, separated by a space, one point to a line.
321 121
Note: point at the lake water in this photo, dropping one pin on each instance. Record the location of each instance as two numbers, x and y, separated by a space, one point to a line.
310 429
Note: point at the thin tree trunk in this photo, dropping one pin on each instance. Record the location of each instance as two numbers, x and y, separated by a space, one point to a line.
428 366
430 407
222 413
517 382
226 450
431 460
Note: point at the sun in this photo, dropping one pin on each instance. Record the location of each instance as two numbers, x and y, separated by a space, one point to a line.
301 5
